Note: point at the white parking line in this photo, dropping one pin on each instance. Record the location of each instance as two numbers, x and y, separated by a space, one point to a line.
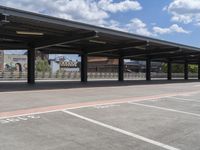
122 131
18 119
28 114
186 99
166 109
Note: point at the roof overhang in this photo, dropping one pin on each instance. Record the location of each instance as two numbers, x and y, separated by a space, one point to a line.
22 30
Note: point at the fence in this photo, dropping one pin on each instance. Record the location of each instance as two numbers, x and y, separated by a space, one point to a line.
91 75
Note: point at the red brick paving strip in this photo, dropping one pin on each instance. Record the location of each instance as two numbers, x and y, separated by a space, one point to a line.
39 110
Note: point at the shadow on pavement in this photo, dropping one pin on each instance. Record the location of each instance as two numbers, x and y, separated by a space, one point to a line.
49 85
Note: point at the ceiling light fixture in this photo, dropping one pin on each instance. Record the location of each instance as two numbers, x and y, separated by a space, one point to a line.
172 52
29 33
98 42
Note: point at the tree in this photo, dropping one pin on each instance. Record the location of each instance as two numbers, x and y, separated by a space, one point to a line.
179 68
42 65
164 68
193 68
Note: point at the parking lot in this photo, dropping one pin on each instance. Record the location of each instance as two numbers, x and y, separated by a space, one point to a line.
119 117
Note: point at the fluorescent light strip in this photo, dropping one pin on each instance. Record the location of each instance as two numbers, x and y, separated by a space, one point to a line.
99 42
29 33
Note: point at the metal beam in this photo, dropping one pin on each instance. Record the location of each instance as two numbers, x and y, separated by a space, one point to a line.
12 45
112 48
50 51
152 52
176 55
187 56
4 19
14 37
71 38
31 65
105 55
61 50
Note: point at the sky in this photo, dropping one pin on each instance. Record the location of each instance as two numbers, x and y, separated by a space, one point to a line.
171 20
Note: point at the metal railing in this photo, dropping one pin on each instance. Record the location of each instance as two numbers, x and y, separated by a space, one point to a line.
10 75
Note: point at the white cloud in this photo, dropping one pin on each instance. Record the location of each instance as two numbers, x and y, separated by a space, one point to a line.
80 10
88 11
137 26
113 24
172 29
185 11
98 12
122 6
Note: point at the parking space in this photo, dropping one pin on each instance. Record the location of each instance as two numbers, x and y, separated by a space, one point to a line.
163 120
60 131
173 128
179 103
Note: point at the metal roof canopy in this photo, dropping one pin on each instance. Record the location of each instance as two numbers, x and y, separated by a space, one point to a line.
22 30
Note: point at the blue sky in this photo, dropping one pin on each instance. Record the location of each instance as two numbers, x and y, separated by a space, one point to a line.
172 20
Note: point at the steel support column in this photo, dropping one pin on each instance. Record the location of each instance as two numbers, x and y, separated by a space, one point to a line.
186 70
169 70
84 67
121 69
148 69
31 65
199 71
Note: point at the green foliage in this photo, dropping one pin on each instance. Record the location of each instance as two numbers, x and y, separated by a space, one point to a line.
193 68
164 68
42 65
179 68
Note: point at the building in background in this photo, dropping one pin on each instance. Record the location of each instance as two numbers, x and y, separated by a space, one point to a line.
140 66
99 64
64 63
15 62
69 63
102 64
